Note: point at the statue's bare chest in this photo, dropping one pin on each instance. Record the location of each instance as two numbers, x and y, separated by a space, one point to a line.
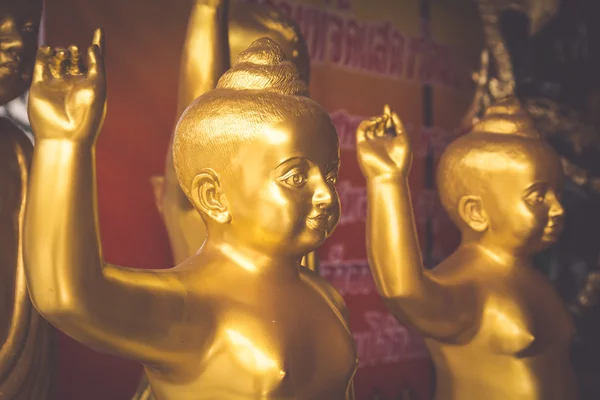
286 343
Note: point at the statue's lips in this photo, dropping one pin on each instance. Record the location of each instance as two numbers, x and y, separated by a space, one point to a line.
318 221
552 231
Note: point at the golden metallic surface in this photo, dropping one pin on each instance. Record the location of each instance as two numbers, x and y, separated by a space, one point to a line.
27 349
311 261
216 33
258 159
494 326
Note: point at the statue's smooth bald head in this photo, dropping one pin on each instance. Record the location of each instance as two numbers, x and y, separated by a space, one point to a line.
502 180
260 90
504 136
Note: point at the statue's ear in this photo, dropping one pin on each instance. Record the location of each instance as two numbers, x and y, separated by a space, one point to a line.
471 211
208 198
158 187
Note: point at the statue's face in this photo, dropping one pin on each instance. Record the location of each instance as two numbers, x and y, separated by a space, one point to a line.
523 202
280 190
19 27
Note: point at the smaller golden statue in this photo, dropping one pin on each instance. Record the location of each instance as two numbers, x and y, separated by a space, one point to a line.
494 326
259 160
26 339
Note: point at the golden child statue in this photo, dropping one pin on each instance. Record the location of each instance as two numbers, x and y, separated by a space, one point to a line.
218 31
494 326
209 45
26 352
258 159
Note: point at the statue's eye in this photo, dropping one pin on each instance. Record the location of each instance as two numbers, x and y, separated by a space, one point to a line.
297 179
535 198
332 179
29 27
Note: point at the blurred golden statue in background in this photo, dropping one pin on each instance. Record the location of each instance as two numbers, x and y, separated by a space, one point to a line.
494 326
259 160
27 349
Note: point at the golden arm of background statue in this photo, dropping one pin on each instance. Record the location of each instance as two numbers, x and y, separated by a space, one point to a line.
205 55
69 282
410 292
218 30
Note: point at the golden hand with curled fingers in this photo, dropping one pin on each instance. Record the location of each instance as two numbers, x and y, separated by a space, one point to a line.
68 97
383 146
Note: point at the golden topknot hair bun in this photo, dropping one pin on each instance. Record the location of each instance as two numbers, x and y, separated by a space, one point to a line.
263 66
507 117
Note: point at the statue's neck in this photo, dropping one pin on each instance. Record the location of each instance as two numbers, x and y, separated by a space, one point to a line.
502 257
251 260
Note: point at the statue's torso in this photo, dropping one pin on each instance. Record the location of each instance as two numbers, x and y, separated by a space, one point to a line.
283 340
520 348
26 352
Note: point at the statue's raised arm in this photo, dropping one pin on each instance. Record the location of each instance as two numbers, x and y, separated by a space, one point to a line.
69 282
205 55
411 293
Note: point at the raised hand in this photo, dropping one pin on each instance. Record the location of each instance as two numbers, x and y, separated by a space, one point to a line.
67 99
381 153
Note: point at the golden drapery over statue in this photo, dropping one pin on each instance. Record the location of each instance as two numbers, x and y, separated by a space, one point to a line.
494 326
259 160
26 339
